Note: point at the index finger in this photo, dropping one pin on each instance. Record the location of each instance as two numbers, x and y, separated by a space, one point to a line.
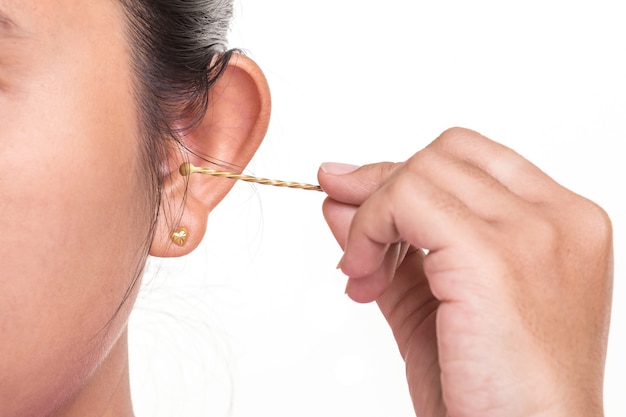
410 209
505 165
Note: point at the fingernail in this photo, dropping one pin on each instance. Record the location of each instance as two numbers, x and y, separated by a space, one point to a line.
336 168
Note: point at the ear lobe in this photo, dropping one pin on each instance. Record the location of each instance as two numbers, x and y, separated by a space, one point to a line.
230 133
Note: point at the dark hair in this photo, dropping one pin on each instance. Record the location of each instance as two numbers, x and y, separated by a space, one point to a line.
178 50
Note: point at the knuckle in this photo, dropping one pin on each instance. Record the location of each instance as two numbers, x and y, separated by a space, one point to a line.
583 228
423 161
384 169
382 173
378 173
597 225
453 137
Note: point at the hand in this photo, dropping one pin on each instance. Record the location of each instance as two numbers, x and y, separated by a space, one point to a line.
495 280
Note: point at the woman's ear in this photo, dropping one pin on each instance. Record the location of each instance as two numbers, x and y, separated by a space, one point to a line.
232 130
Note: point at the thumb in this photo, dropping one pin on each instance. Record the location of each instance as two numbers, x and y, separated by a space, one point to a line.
351 184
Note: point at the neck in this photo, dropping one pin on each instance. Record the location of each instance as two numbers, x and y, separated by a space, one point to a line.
107 392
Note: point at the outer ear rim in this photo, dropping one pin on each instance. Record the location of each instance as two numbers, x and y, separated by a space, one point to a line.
183 193
255 72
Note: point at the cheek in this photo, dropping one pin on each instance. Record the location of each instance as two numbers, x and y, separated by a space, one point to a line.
75 226
73 202
75 221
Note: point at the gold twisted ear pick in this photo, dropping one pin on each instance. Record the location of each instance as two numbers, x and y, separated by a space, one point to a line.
187 169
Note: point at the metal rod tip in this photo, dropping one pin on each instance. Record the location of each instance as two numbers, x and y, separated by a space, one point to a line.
186 169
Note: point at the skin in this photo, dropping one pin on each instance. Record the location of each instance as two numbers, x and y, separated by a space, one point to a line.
74 198
83 152
507 313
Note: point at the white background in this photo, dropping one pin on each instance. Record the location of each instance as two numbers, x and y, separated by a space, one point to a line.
255 322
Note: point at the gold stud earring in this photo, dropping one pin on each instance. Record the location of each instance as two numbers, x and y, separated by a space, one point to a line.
179 236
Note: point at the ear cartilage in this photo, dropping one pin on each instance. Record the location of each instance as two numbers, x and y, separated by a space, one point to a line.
187 169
